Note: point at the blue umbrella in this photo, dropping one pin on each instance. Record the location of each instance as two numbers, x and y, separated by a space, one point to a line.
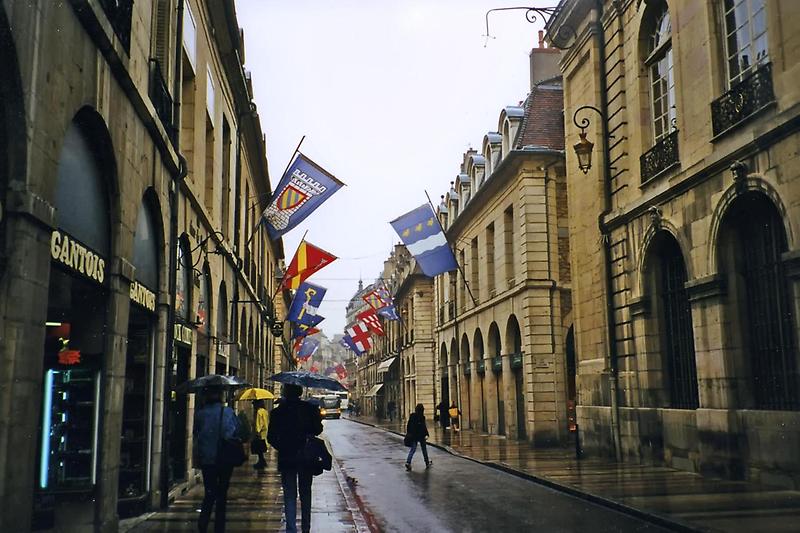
212 381
305 378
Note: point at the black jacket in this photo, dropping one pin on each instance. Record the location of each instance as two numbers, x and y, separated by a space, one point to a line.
289 425
416 429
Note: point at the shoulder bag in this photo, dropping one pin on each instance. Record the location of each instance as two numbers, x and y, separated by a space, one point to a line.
230 452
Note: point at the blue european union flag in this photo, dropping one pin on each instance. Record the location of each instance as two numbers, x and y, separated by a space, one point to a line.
306 303
420 232
302 189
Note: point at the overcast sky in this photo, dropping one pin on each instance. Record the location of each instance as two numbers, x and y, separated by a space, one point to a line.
389 95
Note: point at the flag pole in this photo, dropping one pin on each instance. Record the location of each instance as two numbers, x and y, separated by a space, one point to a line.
399 314
460 268
261 218
283 278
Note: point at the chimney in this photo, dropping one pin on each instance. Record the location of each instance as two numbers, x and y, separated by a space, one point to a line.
544 61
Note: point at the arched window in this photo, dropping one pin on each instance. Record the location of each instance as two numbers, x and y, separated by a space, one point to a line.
752 239
659 65
674 317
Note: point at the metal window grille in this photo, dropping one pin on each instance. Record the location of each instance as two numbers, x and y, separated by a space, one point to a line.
679 336
768 317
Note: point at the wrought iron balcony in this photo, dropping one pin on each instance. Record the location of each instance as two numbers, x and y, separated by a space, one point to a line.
743 100
662 156
497 363
159 95
119 15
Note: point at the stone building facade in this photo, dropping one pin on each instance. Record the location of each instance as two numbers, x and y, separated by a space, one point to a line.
684 231
130 154
502 322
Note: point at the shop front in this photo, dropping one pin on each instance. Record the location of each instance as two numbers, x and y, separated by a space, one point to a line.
137 414
179 373
75 341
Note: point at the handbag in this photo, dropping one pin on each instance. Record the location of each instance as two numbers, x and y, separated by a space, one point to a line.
408 441
230 452
258 445
314 456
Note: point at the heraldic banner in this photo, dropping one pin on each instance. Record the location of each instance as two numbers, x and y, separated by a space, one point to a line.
301 190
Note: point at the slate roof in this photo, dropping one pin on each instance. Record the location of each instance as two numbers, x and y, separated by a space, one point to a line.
543 123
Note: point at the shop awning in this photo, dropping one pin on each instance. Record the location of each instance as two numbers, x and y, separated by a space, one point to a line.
374 390
385 365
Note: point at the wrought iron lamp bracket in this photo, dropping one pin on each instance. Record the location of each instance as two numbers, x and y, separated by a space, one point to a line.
563 39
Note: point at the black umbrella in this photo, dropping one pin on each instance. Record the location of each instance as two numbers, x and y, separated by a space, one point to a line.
305 378
212 381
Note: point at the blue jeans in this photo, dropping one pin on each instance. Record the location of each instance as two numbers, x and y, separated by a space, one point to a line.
289 477
414 449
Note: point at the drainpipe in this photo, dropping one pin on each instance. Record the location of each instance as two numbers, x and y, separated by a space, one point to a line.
172 276
605 234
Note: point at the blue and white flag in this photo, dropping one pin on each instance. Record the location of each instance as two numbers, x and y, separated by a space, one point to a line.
301 330
421 233
306 303
389 312
301 190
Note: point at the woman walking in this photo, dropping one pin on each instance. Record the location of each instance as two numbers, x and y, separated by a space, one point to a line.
259 443
213 423
417 432
454 412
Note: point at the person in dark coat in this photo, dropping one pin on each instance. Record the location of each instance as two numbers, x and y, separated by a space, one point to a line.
208 422
289 425
416 433
444 418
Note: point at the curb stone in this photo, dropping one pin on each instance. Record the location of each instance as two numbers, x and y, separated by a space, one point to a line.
654 518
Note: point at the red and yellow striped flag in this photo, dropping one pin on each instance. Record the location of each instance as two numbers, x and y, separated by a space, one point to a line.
305 262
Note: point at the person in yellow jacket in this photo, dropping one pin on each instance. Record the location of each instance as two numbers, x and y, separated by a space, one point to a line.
454 412
259 443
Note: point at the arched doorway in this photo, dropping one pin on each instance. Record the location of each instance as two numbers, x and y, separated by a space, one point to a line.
477 348
514 344
760 316
466 389
495 352
671 322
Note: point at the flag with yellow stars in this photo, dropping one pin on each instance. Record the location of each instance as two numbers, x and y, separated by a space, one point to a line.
423 236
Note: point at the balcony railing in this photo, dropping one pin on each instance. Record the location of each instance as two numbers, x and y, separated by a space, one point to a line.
743 100
662 156
159 95
497 363
119 15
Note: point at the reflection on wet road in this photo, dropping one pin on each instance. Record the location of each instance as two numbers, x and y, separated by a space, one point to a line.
457 495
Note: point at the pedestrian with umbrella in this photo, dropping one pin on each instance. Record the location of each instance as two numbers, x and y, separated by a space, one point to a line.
216 450
213 424
291 423
258 445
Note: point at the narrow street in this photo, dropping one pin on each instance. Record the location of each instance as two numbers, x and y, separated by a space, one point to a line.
456 494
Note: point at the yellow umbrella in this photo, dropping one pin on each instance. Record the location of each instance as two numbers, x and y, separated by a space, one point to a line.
256 394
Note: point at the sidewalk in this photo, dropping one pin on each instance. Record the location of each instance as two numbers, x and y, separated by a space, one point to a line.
685 500
255 503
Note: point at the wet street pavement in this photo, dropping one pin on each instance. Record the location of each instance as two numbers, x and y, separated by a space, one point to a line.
255 503
677 496
456 495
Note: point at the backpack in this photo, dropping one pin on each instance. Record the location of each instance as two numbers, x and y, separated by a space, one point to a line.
453 412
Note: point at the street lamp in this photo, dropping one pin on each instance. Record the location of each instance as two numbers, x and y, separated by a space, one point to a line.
583 148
